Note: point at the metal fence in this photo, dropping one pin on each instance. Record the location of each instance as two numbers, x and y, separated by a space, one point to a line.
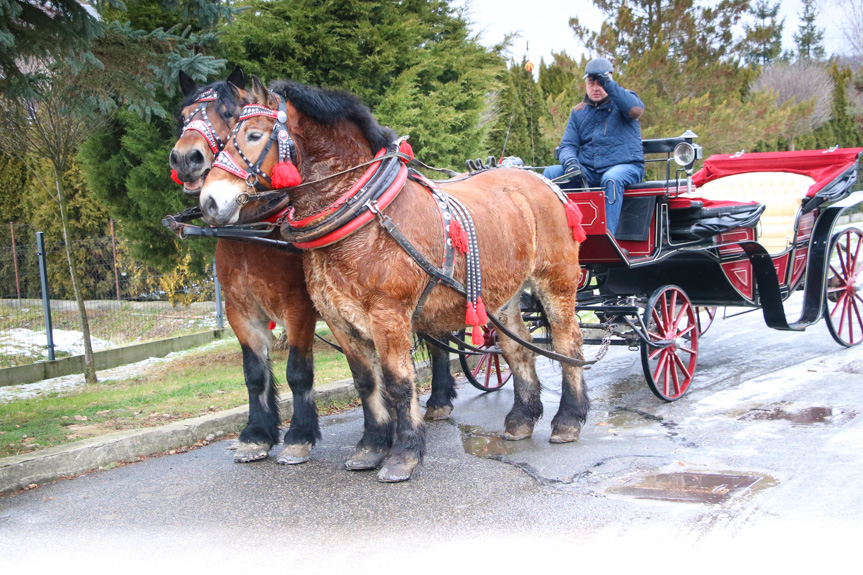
127 302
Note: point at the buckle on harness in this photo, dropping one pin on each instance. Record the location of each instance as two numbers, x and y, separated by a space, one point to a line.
372 206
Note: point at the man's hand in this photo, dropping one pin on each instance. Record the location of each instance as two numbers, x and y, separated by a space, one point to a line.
601 79
573 169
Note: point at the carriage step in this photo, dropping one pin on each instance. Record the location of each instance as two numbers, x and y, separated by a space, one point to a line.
610 309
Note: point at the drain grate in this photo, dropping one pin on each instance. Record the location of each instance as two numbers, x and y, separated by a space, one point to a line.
687 487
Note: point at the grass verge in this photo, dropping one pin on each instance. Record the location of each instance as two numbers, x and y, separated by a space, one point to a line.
189 384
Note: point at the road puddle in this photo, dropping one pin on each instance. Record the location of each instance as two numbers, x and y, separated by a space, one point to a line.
712 488
481 443
807 416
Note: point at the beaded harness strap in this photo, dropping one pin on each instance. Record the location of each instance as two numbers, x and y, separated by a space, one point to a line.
203 125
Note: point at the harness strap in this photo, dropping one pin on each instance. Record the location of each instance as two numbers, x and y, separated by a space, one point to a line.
391 228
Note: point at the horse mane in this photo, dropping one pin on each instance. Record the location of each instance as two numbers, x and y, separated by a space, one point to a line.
329 106
224 96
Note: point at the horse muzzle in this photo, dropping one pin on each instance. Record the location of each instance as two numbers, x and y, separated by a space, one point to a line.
219 204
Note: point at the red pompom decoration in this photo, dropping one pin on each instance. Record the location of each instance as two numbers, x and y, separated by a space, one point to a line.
406 149
272 325
476 337
573 220
481 314
471 317
458 236
176 178
285 175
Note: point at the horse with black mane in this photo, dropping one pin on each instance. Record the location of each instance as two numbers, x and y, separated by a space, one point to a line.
262 286
372 287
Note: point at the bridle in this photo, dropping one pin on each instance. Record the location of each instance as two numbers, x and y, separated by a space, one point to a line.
253 175
203 125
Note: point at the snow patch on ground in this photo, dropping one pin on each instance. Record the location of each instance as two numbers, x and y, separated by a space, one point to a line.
23 341
70 383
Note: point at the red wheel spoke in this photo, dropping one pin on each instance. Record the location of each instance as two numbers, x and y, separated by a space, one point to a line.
670 309
497 368
684 309
655 352
479 364
688 350
675 378
686 331
839 250
682 366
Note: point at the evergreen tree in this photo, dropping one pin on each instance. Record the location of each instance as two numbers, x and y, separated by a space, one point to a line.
763 40
522 113
841 130
809 39
118 63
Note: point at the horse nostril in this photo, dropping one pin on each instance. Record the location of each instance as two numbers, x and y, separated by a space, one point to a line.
210 208
174 159
195 159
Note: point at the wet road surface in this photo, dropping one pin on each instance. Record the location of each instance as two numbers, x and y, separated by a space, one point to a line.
758 466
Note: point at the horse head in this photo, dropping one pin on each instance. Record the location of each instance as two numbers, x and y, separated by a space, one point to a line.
315 133
206 119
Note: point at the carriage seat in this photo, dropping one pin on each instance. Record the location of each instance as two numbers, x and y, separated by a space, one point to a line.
781 193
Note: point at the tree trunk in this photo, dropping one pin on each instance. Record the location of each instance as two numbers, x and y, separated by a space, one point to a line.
89 362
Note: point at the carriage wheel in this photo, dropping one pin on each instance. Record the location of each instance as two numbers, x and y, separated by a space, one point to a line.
487 371
704 317
671 321
844 304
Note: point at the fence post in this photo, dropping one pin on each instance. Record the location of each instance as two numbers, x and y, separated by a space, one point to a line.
220 320
114 249
46 301
15 260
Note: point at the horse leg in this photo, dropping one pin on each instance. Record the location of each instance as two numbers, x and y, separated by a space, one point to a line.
439 404
559 306
391 334
377 419
527 407
262 430
304 430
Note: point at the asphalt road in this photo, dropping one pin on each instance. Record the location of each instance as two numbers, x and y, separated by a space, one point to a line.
757 467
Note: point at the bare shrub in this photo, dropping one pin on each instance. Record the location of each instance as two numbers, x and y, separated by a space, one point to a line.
806 85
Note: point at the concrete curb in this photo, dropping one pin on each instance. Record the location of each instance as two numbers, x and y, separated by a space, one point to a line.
21 471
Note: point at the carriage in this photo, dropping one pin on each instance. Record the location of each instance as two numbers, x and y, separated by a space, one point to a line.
747 230
284 175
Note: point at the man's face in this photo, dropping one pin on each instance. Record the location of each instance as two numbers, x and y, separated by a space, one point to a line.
594 91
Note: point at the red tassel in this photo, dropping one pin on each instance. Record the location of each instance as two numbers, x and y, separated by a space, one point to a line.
476 337
471 317
481 314
458 236
406 149
573 220
176 178
285 175
272 325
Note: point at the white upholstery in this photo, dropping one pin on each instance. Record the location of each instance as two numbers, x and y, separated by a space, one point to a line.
781 192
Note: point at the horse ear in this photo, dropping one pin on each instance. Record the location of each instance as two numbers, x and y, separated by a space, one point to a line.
237 78
187 85
259 91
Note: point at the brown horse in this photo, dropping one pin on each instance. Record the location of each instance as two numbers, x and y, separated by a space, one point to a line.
263 284
367 286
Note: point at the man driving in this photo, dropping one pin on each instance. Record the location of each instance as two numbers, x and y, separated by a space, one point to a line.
601 146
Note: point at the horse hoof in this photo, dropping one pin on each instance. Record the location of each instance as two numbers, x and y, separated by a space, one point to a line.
438 413
294 454
564 434
517 433
396 471
364 460
248 452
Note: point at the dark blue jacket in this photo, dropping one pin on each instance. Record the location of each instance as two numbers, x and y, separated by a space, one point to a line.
604 134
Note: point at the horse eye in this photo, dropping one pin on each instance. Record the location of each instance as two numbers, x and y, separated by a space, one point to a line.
254 136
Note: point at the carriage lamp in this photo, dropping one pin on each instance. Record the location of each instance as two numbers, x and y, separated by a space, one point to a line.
685 154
